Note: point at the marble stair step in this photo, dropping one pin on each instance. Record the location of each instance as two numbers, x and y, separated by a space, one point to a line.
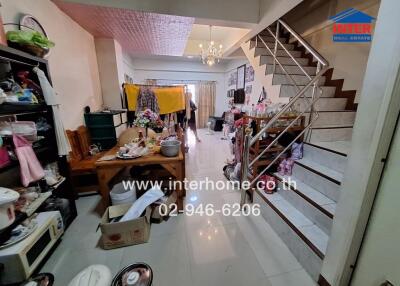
334 118
279 53
309 193
341 147
314 205
297 220
268 38
330 188
271 45
331 133
321 170
325 157
282 79
291 70
283 60
304 238
322 103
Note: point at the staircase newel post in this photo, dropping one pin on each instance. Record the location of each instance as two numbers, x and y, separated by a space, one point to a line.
245 165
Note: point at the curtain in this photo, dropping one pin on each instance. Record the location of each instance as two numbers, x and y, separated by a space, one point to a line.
205 101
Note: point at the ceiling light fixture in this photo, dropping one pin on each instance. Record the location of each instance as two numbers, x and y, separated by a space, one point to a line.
211 54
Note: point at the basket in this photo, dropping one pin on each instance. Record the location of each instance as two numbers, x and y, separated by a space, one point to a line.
30 49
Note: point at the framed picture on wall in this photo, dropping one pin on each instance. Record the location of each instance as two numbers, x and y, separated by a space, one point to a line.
248 89
231 93
241 77
249 74
232 79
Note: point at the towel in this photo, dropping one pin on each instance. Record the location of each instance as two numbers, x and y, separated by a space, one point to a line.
51 98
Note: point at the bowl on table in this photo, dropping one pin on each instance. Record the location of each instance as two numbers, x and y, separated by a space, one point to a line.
170 148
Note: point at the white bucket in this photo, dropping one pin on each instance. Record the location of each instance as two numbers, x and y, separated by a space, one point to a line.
119 195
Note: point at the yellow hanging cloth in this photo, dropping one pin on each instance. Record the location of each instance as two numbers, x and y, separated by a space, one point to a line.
132 93
170 99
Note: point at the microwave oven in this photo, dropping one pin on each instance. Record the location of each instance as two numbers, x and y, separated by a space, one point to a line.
20 260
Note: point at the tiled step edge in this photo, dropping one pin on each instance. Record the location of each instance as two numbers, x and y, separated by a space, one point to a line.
319 207
317 170
300 234
326 149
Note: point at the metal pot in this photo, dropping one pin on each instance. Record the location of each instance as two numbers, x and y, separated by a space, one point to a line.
170 148
7 199
137 274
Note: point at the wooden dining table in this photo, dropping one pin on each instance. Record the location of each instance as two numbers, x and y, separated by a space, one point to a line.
108 169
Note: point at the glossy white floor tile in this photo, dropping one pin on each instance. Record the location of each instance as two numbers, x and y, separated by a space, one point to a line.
189 250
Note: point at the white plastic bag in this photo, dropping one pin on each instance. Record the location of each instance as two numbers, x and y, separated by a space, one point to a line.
142 203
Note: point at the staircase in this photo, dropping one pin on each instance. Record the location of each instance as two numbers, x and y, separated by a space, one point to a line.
294 73
336 107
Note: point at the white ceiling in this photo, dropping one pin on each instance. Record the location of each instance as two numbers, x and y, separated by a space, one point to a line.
200 34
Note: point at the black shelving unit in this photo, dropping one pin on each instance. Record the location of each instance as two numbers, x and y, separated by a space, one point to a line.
46 148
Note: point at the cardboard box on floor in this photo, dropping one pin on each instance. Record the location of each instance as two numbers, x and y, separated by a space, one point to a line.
156 215
119 234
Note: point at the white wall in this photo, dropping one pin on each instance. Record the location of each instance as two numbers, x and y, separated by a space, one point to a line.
73 63
231 67
373 128
109 58
380 254
128 65
349 60
183 70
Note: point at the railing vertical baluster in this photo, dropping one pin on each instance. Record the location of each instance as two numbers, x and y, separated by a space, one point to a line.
245 163
276 46
249 140
312 108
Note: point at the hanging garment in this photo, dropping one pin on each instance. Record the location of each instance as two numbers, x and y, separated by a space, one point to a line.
52 99
170 99
132 94
30 168
147 100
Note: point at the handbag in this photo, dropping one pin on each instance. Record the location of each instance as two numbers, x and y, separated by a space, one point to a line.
30 168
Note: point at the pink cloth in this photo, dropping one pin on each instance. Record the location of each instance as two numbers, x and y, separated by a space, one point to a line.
30 167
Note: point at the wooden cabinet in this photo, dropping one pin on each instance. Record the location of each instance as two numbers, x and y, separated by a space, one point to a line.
105 127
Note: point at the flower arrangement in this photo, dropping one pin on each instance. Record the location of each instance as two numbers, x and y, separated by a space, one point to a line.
148 119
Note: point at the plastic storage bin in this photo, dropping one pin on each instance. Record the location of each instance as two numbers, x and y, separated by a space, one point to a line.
121 196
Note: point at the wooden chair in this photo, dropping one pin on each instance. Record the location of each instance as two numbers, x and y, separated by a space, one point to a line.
81 163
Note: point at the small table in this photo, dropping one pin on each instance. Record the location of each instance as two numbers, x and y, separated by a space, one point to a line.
106 170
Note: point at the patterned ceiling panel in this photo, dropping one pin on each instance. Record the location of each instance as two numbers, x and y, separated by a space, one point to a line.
137 32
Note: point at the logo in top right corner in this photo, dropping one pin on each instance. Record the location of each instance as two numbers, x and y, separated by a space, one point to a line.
352 26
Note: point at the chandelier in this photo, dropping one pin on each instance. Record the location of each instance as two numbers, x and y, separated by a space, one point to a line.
211 54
